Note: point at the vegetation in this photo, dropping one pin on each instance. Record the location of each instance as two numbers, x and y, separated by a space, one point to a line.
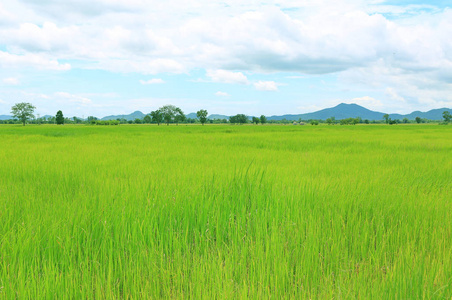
238 119
263 119
118 212
59 118
447 117
256 120
202 116
157 116
23 111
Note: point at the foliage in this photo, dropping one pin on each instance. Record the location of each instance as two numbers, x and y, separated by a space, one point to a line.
202 116
23 111
386 117
263 119
179 116
447 117
350 121
106 122
314 122
238 119
147 119
331 121
418 120
157 116
59 118
256 120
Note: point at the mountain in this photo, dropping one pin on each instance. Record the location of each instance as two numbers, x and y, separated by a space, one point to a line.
434 114
344 111
135 115
194 116
341 111
217 117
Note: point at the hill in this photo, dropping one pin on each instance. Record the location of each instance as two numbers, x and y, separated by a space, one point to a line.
130 117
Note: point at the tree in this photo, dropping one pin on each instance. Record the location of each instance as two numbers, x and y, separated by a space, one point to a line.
256 120
23 111
405 120
59 118
147 119
137 121
331 121
386 117
418 120
179 116
157 116
263 119
447 116
169 112
202 116
238 119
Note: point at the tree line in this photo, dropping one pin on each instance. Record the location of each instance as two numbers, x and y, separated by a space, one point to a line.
24 112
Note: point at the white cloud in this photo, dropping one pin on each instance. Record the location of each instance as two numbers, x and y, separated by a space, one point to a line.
11 81
152 81
409 53
221 94
266 86
224 76
366 101
8 60
390 92
73 98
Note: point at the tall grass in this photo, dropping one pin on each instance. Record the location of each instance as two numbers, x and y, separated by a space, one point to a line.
226 212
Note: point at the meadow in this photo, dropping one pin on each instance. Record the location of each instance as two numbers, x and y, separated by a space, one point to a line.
226 212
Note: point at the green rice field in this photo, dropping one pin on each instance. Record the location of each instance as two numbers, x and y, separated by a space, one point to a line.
226 212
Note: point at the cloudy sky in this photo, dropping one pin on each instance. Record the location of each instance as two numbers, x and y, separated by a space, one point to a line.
101 57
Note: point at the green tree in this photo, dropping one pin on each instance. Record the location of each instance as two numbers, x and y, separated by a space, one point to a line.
256 120
147 119
23 111
331 121
202 116
59 118
179 116
386 117
157 116
314 122
418 120
137 121
405 120
263 119
447 117
238 119
169 112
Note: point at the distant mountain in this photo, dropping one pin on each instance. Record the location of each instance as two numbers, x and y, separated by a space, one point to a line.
218 117
344 111
341 111
194 116
135 115
434 114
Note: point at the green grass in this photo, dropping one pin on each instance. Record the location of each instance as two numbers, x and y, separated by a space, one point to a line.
226 212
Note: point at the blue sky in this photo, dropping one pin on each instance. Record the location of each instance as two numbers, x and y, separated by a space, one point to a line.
102 57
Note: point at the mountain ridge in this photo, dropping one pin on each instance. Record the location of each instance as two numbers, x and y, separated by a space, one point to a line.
340 111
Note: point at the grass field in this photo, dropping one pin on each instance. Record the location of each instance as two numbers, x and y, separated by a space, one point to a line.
225 212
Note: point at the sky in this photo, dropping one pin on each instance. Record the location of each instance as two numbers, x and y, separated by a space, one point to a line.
273 57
